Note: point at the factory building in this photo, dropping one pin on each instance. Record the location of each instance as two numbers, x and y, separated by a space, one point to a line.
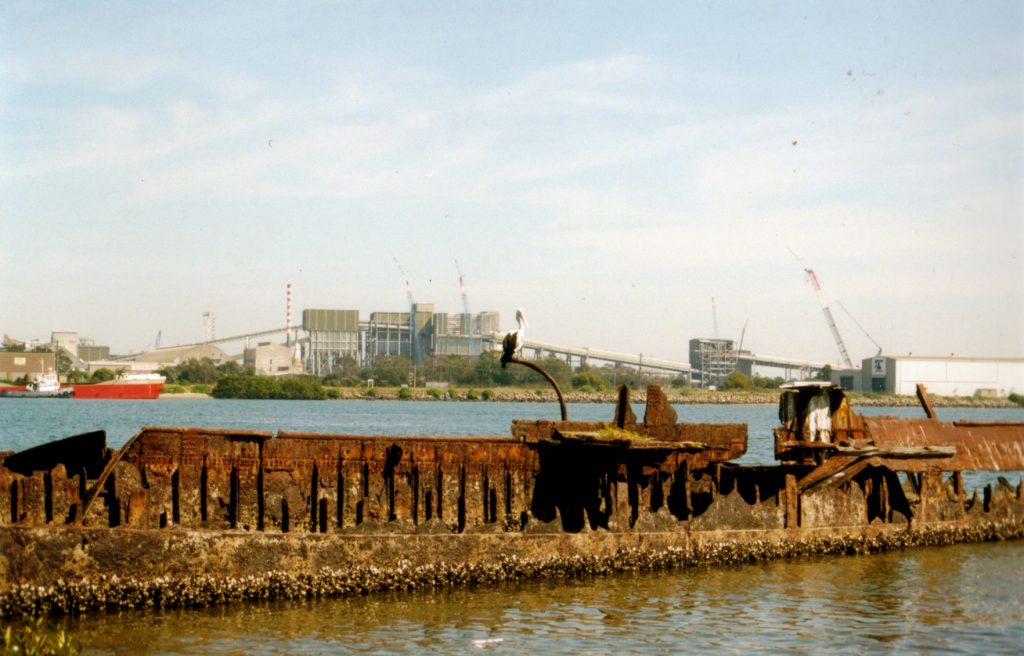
333 335
401 333
18 365
942 376
715 359
267 359
337 334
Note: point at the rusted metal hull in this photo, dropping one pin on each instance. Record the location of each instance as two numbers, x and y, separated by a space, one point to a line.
192 516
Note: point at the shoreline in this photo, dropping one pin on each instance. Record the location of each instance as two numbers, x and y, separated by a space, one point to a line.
688 397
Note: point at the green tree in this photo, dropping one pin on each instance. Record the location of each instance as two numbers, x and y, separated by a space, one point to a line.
77 376
230 368
825 373
265 387
102 375
391 371
488 370
738 380
588 381
193 371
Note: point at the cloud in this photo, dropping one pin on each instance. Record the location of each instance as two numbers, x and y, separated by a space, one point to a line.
633 180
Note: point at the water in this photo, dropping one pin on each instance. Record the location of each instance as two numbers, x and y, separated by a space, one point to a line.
962 599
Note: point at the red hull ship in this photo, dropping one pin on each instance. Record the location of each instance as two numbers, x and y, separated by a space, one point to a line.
126 386
120 389
129 386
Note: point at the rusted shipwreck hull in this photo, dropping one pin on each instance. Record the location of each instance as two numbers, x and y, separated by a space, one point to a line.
184 516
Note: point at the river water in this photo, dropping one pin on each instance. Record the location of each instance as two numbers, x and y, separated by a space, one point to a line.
961 599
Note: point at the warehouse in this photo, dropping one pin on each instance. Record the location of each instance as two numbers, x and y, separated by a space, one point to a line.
944 376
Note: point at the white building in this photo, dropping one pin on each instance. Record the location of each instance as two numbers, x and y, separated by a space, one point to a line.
268 359
942 376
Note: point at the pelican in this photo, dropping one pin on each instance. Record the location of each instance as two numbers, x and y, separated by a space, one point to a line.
513 342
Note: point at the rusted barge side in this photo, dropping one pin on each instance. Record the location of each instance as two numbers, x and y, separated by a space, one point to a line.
184 516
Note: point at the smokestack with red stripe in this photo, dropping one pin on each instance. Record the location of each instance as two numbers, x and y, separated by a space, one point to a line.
288 329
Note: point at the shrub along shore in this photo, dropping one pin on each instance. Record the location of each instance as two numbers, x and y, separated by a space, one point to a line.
541 395
484 379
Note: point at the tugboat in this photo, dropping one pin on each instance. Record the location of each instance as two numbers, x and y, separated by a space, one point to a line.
45 386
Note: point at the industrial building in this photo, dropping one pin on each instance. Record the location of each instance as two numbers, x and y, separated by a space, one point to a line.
333 335
715 359
943 376
267 359
19 365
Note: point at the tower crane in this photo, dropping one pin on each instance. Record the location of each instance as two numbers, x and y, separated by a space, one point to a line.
417 357
828 318
467 320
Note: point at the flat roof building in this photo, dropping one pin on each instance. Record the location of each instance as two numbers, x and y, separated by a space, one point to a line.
941 375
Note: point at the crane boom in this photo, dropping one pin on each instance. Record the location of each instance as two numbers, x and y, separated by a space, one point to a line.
467 321
417 358
828 318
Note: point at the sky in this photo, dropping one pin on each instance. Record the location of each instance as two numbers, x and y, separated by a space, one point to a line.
608 167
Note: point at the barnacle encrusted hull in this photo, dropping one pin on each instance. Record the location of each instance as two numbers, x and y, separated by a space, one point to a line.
186 516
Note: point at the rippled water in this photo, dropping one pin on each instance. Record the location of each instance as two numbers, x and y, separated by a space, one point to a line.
962 599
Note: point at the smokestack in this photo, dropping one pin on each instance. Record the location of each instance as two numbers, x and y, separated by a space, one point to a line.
288 338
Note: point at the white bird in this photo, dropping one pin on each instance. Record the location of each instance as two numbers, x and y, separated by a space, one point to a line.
513 342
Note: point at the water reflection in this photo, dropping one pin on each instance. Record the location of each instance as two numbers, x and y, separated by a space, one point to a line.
962 599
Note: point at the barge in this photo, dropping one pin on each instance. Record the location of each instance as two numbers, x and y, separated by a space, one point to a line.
193 516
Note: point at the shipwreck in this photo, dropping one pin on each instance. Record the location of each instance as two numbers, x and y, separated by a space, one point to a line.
193 516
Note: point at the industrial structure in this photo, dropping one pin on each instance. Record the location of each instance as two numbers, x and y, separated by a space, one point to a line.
327 339
18 365
714 359
944 376
333 335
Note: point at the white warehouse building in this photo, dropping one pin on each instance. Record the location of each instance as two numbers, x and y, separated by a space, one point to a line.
943 376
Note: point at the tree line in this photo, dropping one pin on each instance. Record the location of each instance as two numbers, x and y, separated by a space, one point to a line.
483 371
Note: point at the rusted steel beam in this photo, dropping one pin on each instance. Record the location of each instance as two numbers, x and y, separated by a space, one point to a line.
989 446
808 436
320 483
547 377
659 433
926 402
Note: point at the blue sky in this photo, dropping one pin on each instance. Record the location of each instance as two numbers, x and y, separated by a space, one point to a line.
608 167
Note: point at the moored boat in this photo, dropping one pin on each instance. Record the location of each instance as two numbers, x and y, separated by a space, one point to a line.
126 386
45 386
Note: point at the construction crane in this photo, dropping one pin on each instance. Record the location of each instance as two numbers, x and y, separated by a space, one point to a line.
467 321
828 318
154 345
417 357
866 334
714 316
